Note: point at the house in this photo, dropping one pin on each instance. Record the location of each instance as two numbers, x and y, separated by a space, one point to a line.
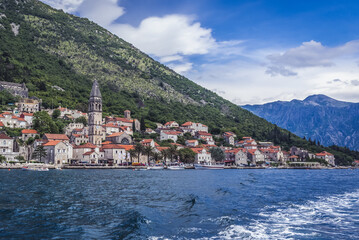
327 157
95 156
171 124
194 127
236 156
301 153
169 135
126 121
51 137
115 153
110 128
28 133
254 155
80 150
205 136
202 156
191 143
29 105
126 129
79 139
272 153
149 142
229 137
28 117
119 138
69 128
293 158
150 131
57 152
7 148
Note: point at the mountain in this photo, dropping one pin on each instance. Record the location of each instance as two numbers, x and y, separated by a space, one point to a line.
58 56
317 117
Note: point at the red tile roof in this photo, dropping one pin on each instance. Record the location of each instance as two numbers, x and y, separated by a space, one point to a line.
115 134
29 131
52 143
4 136
51 136
86 145
204 133
187 124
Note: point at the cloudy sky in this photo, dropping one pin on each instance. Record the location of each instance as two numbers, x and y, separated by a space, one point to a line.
247 51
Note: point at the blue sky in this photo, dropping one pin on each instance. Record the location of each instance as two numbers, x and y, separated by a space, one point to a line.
246 51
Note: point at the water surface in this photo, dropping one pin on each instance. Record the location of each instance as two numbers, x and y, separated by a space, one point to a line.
189 204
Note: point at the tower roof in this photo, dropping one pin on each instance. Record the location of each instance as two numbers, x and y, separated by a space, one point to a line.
95 91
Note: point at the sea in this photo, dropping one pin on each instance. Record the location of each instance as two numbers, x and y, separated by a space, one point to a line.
184 204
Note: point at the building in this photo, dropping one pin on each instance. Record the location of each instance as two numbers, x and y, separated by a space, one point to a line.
57 152
28 133
191 143
194 127
55 137
169 135
16 89
202 156
229 137
327 157
79 139
236 156
119 138
95 115
254 155
72 126
7 148
171 124
29 105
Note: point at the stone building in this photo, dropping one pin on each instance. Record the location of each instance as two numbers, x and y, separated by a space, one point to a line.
29 105
95 115
16 89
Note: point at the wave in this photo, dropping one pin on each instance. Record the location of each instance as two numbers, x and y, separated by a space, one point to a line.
334 217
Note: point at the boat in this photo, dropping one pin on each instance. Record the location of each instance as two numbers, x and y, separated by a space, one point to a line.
208 166
35 168
58 168
176 167
155 167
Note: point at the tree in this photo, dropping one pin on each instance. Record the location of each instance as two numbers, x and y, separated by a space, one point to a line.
138 150
156 156
217 154
186 155
172 151
82 120
147 150
39 153
44 124
20 158
131 152
143 125
2 159
56 113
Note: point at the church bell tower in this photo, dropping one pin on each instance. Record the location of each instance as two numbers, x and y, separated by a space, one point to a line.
95 115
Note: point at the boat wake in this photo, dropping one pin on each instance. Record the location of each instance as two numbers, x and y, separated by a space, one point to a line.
334 217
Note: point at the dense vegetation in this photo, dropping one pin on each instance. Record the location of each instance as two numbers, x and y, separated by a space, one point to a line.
53 49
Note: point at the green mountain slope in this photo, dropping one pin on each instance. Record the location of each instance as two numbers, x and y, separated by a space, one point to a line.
53 48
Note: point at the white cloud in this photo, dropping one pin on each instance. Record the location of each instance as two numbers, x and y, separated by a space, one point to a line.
309 54
168 35
181 67
69 6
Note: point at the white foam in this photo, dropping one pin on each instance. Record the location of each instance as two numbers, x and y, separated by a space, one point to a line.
281 222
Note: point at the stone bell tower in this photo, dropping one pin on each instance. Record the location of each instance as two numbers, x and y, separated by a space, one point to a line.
95 115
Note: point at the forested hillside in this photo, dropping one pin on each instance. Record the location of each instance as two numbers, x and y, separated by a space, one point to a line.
44 47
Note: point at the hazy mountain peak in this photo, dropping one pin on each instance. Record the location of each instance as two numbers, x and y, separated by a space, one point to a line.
323 100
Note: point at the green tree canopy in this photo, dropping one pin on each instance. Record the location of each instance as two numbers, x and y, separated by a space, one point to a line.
43 123
217 154
186 155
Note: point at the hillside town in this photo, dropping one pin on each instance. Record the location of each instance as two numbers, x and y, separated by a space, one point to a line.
110 141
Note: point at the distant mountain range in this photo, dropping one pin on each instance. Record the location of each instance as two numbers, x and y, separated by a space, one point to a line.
317 117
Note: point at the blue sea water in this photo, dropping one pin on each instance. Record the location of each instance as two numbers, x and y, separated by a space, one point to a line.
188 204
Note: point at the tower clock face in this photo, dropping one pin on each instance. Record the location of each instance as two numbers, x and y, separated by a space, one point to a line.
97 127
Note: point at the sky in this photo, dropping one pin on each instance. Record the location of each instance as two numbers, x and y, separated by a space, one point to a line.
249 52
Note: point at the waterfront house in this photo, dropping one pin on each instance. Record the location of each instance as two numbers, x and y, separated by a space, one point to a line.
203 156
254 156
7 148
236 156
327 157
57 152
80 150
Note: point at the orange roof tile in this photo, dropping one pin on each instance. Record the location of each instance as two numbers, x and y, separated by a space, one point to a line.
29 131
51 136
86 145
52 143
115 134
